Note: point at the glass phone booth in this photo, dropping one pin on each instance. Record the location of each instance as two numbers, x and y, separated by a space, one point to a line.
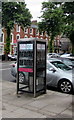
31 66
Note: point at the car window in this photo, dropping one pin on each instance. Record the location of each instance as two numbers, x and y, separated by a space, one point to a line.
61 65
67 62
72 60
49 67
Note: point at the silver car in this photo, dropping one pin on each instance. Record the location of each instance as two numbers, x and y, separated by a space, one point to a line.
58 75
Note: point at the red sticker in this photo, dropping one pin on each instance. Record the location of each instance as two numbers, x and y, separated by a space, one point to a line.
25 70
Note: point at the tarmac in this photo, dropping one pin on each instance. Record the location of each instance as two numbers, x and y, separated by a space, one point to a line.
53 104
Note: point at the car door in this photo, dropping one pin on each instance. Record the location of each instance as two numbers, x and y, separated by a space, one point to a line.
52 75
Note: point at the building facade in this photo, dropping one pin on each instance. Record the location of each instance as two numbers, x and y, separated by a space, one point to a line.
17 33
31 32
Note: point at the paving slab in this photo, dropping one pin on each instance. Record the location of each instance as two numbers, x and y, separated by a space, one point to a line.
50 105
66 113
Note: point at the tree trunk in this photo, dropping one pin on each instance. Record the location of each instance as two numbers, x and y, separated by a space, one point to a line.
7 47
50 44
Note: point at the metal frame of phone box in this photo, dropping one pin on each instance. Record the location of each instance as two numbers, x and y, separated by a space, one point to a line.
37 72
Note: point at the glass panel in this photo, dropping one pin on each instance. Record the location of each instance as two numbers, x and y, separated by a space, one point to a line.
17 28
1 40
30 30
61 65
26 64
40 78
26 30
1 49
18 37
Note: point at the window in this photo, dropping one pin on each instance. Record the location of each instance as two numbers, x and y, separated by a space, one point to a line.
49 67
15 49
25 36
2 37
17 28
30 36
11 38
46 39
31 31
37 37
46 34
41 33
41 38
26 30
67 62
18 36
1 49
37 32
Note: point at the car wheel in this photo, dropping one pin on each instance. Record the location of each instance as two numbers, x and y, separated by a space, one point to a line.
21 77
65 86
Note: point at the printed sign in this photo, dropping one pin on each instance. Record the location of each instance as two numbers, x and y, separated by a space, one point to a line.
26 46
41 46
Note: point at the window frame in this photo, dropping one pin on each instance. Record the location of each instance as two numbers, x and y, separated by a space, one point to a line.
37 32
12 38
2 49
41 34
25 36
32 31
17 35
17 28
3 38
26 30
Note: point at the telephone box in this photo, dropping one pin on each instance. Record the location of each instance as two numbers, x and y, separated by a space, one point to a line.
31 66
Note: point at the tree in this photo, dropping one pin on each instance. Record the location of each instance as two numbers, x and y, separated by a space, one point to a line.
14 12
68 8
52 21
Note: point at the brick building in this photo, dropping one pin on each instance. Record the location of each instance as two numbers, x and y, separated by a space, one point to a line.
30 32
17 32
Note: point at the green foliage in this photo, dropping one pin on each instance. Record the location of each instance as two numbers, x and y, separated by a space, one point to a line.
68 8
52 20
57 18
14 12
53 17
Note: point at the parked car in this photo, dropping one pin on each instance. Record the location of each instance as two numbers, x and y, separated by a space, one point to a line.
12 57
52 55
58 75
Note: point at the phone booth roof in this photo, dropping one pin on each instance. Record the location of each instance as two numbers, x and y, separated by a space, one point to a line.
31 39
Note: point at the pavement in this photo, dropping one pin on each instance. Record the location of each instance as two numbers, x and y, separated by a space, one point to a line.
53 104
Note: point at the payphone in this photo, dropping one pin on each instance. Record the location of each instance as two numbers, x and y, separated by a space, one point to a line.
31 66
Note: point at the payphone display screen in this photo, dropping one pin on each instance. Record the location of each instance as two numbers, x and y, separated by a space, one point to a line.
26 62
40 70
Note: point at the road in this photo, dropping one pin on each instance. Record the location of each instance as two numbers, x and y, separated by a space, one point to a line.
5 71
